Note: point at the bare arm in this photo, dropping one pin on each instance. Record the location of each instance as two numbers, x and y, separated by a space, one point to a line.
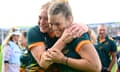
89 61
66 38
38 51
6 67
113 54
77 29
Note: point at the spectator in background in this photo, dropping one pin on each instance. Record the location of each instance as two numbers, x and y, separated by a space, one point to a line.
118 51
106 48
12 52
118 41
24 59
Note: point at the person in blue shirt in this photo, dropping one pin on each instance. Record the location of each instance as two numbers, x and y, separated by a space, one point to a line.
12 52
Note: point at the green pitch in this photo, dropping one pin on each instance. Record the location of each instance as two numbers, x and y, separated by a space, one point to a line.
114 68
1 54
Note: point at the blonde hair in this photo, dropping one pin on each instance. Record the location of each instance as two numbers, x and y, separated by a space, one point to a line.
8 37
46 5
92 35
60 7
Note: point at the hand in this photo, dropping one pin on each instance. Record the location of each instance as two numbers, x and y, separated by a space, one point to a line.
105 70
108 70
56 55
66 36
45 61
78 29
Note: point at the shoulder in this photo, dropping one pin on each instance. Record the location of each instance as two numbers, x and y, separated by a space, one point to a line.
34 29
34 36
34 32
10 43
112 42
110 38
85 36
7 47
83 39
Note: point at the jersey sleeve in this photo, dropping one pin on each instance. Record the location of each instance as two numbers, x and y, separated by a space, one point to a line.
84 39
34 38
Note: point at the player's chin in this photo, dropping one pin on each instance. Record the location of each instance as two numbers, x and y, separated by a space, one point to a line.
44 30
58 34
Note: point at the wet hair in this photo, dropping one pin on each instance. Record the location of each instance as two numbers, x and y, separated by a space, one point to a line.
60 7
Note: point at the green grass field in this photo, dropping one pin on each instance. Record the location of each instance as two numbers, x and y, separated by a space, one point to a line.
114 68
1 58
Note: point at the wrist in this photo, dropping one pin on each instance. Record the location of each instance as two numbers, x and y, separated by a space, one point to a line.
63 41
65 60
108 69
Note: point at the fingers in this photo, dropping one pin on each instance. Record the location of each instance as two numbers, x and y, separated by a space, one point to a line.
78 29
72 27
68 31
84 27
74 30
67 36
53 53
56 55
46 57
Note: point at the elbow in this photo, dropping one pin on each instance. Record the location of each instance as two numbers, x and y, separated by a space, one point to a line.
93 67
97 67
